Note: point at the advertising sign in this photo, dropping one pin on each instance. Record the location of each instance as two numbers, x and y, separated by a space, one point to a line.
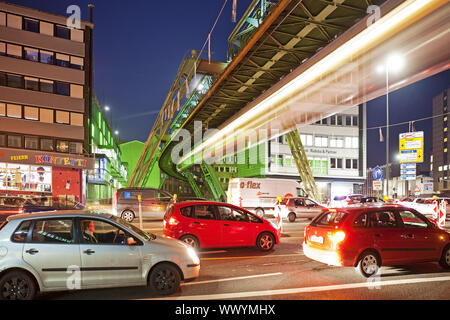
377 185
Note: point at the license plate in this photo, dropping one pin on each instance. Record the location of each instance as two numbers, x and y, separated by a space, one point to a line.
317 239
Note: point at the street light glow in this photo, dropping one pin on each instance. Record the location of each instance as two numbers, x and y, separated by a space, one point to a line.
107 108
116 132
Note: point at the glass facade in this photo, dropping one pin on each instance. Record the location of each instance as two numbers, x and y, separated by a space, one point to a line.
20 177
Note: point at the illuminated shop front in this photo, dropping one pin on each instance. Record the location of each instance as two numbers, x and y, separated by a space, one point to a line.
37 174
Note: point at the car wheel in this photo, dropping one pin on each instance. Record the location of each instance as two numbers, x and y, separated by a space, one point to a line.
191 240
128 215
164 279
17 285
445 258
265 241
291 217
369 263
259 213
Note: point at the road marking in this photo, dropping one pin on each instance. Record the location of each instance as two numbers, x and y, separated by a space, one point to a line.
211 252
233 279
238 295
256 257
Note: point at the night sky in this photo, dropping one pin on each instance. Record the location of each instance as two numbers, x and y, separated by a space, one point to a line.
139 45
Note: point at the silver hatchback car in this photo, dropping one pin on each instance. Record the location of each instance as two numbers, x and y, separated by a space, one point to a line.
74 250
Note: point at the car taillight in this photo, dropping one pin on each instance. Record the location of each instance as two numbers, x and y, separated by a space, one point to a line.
20 211
338 237
172 221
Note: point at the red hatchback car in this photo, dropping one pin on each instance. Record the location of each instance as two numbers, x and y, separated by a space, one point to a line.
205 224
371 236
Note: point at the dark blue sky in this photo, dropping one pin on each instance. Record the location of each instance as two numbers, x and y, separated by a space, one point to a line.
139 45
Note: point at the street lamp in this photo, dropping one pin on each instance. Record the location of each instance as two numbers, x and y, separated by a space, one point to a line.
107 108
393 63
116 132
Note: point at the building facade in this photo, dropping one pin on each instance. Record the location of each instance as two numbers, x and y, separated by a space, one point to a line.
45 81
109 171
441 159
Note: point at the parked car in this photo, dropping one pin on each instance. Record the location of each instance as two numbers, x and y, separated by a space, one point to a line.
368 237
74 250
370 200
206 224
153 203
426 205
300 207
343 201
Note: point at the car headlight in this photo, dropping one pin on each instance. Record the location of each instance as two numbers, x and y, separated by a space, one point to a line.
193 255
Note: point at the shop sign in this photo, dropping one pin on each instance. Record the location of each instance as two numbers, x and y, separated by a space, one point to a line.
46 159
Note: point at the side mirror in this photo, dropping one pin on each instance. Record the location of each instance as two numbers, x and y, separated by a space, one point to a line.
131 241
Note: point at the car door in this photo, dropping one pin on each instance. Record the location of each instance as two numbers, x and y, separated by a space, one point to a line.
205 226
237 230
385 234
106 258
52 250
420 238
149 203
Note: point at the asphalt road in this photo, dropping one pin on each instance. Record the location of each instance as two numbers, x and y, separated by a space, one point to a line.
284 274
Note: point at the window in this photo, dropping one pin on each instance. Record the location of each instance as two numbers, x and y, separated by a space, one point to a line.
77 35
339 120
62 88
75 147
76 119
2 140
339 163
355 163
31 143
348 142
382 219
14 111
2 19
330 219
187 212
3 79
13 50
46 86
101 232
205 212
20 235
31 54
333 163
14 81
324 121
2 109
348 163
2 49
47 145
62 32
62 146
62 117
46 115
31 25
333 120
348 120
76 63
14 21
14 141
31 83
355 121
76 91
62 60
361 221
231 214
411 220
355 142
321 142
46 57
46 28
53 231
31 113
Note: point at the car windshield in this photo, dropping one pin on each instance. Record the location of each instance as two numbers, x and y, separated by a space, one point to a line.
123 223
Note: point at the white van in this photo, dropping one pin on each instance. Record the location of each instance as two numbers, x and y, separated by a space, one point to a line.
259 195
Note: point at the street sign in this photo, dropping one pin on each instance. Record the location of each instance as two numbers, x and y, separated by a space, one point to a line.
411 147
408 171
377 173
407 166
409 177
417 190
377 185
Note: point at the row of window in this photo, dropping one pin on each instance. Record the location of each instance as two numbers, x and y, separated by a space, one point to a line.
309 140
338 163
40 143
339 120
39 55
318 163
38 26
43 85
226 169
40 114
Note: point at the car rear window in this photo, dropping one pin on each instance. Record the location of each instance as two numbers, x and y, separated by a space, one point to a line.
329 219
187 211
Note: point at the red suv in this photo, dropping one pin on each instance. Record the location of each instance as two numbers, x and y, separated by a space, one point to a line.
205 224
368 237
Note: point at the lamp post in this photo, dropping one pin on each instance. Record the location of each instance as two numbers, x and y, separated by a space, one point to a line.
393 63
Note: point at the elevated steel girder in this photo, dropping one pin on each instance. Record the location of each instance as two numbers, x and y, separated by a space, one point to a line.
293 32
